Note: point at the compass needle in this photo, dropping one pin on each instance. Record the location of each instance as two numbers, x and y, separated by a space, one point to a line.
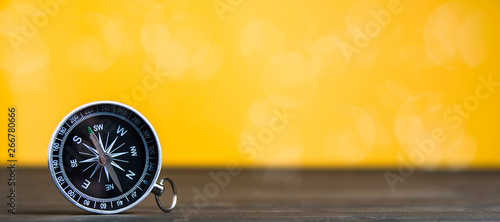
95 142
114 177
94 151
117 166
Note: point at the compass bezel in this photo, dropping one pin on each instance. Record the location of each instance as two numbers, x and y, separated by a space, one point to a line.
151 183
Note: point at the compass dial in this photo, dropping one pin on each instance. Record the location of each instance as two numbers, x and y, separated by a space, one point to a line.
104 157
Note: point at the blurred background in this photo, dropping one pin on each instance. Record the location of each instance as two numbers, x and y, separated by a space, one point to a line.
265 83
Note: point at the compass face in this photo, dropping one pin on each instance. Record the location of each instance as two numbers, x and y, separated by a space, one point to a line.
104 157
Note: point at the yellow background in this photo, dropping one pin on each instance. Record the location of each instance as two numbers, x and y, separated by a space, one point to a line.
208 75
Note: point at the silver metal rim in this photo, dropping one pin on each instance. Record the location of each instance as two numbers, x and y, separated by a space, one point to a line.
155 178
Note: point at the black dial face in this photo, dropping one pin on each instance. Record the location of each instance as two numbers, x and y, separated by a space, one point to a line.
104 157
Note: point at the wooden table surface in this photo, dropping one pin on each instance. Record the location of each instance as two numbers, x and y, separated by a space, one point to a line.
282 195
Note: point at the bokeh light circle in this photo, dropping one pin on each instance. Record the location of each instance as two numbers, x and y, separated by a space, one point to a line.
289 79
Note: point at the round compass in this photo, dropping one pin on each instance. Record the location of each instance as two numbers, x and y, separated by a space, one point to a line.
105 158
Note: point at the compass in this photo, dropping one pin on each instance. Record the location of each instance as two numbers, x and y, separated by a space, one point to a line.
105 157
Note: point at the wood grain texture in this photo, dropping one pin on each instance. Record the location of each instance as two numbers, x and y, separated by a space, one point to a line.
283 195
